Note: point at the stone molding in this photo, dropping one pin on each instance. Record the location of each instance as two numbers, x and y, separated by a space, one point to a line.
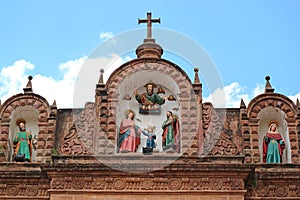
148 184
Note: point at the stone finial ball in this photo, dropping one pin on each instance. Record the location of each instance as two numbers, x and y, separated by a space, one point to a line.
267 78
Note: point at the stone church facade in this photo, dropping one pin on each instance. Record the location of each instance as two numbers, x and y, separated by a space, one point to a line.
218 152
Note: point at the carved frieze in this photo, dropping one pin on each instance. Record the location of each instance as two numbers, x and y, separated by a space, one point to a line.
162 184
275 191
24 190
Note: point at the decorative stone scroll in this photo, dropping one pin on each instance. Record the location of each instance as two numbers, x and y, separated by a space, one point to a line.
218 138
79 139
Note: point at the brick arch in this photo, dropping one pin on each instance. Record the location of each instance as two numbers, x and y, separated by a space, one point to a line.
130 68
36 101
276 100
43 109
259 103
189 107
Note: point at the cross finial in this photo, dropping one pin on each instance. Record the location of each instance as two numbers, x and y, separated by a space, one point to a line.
149 24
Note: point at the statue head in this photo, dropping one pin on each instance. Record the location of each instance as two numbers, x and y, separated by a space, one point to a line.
21 123
150 129
273 126
169 114
130 114
150 87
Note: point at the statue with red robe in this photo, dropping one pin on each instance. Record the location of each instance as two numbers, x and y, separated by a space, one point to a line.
273 145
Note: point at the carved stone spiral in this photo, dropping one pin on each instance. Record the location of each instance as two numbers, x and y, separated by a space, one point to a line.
175 184
281 192
78 184
32 190
119 184
216 184
12 190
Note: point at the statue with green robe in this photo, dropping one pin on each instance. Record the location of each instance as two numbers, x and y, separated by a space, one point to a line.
171 133
150 101
22 142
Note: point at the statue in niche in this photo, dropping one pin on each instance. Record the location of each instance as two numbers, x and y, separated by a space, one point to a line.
151 136
22 143
150 101
171 132
129 134
273 144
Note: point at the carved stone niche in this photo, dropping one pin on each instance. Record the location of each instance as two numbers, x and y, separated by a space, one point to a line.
266 115
170 82
36 111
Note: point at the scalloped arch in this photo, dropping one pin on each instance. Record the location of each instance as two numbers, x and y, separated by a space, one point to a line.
276 100
129 69
36 101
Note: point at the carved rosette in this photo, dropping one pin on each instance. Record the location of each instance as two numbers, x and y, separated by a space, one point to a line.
23 191
162 184
275 191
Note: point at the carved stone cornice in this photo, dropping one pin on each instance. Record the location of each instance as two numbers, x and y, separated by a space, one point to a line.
175 177
274 181
148 184
23 181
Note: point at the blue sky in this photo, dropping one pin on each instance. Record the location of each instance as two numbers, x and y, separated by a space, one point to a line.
246 40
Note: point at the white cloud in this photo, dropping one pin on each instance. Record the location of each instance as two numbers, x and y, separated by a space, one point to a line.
106 35
59 90
13 78
80 75
89 74
295 97
71 68
230 95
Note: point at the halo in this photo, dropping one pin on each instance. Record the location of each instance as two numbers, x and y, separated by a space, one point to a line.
273 122
128 111
150 83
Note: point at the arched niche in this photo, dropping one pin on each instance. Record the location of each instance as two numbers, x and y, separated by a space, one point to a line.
30 114
136 82
133 76
265 116
37 107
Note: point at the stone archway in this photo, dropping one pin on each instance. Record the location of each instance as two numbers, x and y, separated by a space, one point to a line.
253 126
33 103
183 89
